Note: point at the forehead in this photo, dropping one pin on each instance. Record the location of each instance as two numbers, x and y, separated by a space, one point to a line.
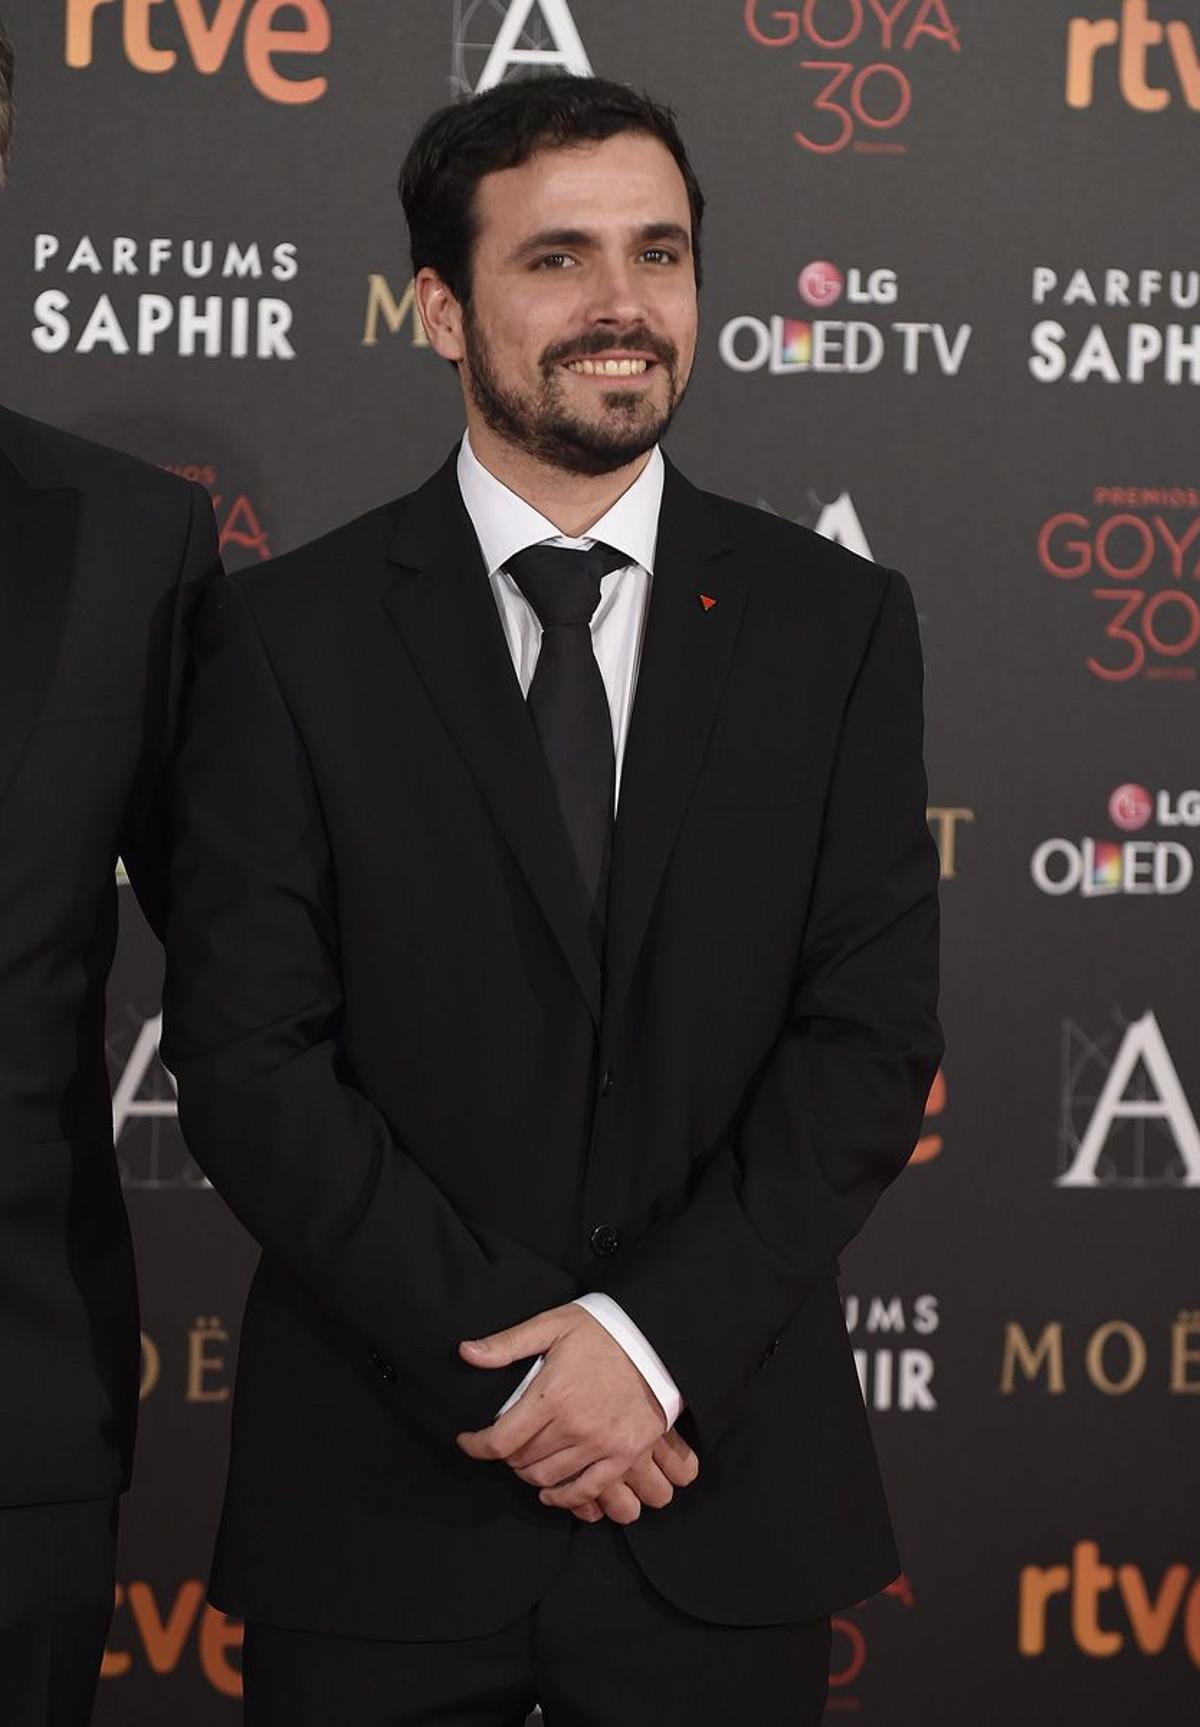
628 181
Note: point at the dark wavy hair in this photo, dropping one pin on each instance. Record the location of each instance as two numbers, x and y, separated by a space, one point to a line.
6 90
503 128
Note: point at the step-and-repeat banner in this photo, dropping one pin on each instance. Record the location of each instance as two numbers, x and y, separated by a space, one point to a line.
951 318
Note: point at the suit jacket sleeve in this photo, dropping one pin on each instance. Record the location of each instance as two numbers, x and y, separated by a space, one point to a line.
253 1006
145 842
837 1106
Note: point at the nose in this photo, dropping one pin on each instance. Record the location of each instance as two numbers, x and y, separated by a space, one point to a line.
615 297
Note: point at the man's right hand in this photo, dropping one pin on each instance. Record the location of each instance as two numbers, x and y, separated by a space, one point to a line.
670 1463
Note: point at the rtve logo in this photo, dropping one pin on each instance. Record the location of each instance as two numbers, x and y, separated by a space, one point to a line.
208 39
1151 1615
1133 35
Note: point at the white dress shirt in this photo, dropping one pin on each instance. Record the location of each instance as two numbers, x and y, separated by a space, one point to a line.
505 525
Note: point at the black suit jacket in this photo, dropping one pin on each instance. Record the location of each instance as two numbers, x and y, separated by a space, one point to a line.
99 559
398 1059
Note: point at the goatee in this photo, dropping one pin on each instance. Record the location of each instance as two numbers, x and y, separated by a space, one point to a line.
544 427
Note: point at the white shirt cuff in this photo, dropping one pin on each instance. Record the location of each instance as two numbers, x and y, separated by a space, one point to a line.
613 1317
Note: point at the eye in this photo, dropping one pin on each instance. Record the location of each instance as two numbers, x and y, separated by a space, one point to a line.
659 255
554 261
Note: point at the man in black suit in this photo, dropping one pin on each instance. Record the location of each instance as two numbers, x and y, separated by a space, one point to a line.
100 560
533 1112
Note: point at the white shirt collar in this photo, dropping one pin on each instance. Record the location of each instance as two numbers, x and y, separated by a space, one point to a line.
505 524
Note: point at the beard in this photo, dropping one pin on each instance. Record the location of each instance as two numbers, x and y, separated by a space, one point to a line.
543 425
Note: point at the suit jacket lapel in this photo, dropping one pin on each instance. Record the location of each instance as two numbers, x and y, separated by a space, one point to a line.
444 609
685 657
37 540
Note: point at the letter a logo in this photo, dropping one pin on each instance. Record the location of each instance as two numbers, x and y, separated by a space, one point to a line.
521 43
1167 1104
839 522
128 1100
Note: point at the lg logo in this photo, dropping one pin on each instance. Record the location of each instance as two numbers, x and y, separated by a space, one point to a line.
821 284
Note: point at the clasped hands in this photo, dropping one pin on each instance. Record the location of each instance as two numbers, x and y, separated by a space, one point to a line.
587 1432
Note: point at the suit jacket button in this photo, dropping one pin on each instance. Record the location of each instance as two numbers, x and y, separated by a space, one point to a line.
608 1083
604 1239
383 1368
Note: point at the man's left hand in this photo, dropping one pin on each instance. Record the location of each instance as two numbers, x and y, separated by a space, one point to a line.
585 1421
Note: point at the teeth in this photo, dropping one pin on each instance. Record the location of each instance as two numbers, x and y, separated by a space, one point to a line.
609 368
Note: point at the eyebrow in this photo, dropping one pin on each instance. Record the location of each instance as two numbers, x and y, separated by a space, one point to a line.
550 239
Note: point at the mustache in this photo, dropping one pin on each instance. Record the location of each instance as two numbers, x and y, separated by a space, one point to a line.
603 341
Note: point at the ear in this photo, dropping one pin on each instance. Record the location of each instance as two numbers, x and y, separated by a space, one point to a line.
441 315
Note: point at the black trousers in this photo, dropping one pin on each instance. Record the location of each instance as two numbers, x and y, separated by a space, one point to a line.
601 1649
56 1600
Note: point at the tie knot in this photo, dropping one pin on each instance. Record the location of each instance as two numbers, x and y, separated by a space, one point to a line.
561 583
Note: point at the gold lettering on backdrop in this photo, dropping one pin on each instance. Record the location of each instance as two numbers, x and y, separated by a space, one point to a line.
205 1360
1135 1366
1032 1358
1112 1372
945 823
382 303
1185 1355
151 1368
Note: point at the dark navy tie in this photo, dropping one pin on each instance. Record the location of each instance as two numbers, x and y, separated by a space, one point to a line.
569 706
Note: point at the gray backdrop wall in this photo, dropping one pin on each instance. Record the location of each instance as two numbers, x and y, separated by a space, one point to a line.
952 316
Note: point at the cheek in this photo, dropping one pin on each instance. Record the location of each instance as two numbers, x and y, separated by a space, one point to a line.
528 333
679 317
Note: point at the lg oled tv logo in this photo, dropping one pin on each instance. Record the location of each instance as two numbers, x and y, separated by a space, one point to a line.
783 345
1150 62
1097 868
859 59
155 36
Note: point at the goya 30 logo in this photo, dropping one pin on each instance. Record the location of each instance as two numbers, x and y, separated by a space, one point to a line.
859 101
1137 552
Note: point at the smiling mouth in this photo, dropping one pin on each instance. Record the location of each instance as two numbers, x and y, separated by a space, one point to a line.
609 368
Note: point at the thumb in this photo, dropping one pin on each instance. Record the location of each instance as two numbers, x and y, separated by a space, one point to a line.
519 1342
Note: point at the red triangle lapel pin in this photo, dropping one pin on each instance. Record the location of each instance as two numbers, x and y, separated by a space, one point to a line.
707 601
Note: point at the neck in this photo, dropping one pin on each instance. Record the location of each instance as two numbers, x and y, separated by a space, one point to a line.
573 502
